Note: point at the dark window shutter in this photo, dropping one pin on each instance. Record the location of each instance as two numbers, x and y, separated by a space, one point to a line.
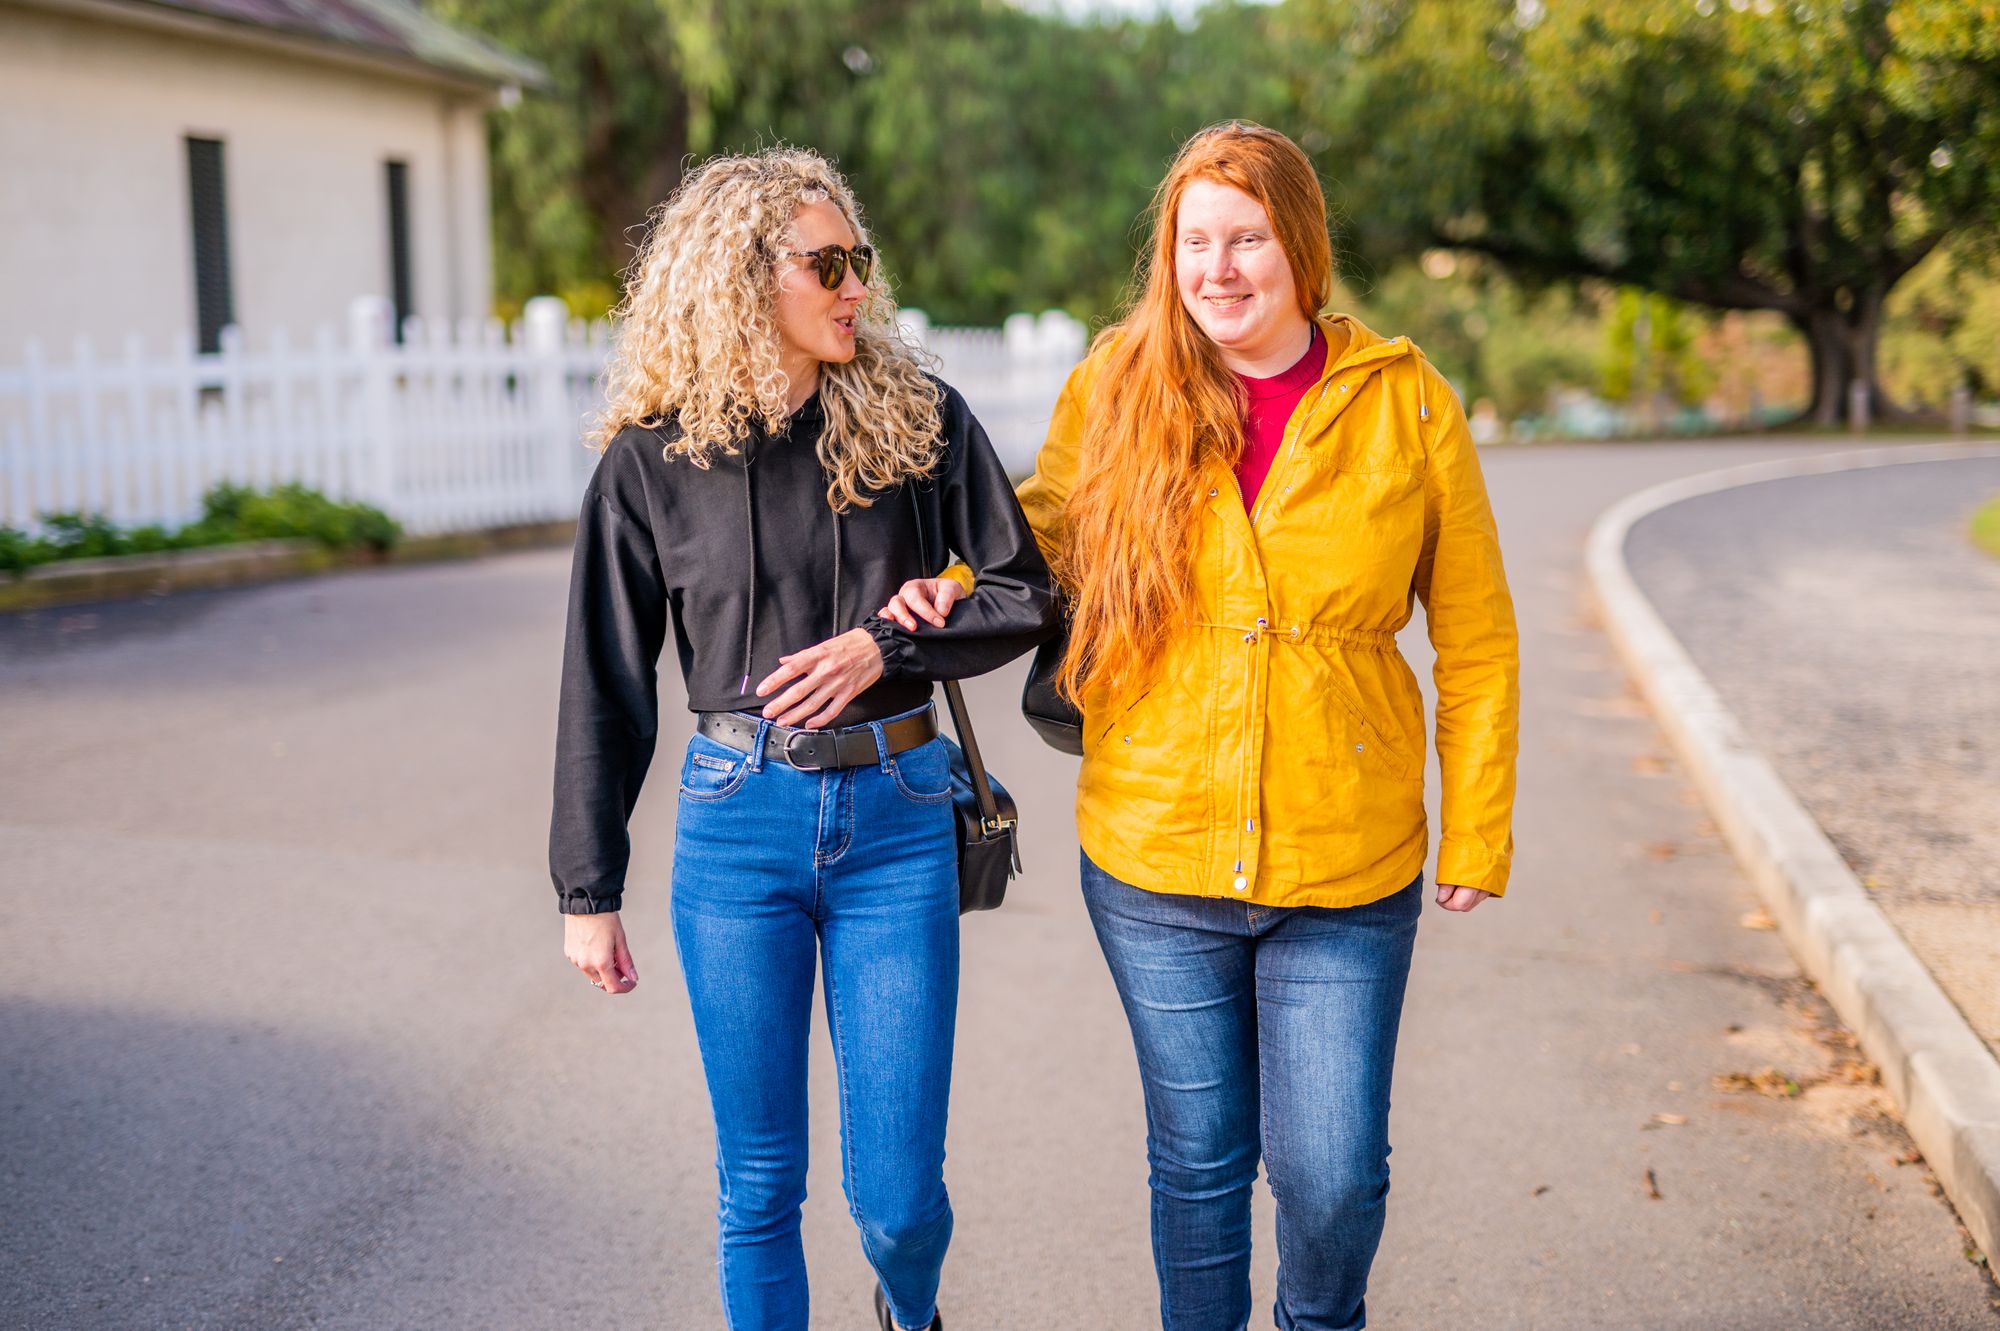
399 244
214 301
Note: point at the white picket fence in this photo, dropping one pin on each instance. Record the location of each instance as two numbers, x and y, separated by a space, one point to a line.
456 428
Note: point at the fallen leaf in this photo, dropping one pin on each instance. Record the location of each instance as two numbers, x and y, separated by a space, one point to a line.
1539 1191
1767 1081
1758 919
1910 1157
1652 1186
1669 1120
1649 764
1661 850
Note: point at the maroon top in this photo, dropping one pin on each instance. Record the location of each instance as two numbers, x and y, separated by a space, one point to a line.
1272 402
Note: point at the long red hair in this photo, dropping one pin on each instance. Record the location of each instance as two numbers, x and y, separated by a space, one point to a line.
1165 412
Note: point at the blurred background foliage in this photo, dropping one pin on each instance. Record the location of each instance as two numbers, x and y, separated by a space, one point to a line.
1739 204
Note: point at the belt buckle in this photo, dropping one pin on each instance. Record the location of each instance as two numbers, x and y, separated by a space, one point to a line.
812 739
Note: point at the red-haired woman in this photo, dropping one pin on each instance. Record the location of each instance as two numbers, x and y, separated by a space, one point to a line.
1241 496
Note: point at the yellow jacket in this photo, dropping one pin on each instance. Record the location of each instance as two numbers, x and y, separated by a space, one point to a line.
1279 756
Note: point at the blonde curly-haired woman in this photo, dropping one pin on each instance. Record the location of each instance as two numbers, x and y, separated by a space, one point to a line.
771 445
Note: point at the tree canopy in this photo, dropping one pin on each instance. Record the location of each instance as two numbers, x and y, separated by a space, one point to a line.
1799 158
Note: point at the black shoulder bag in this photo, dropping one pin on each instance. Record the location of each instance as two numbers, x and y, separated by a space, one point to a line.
988 853
1055 718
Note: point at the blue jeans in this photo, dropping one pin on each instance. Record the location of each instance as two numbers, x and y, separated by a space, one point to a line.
1261 1029
855 869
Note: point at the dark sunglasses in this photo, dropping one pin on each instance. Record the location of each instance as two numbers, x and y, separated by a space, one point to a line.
831 262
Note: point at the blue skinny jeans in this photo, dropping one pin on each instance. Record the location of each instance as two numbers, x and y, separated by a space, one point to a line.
1261 1030
855 870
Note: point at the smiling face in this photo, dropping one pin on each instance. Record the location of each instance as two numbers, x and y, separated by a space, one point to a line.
815 325
1235 280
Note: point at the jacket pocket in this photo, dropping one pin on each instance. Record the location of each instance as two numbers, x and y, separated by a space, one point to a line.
1373 744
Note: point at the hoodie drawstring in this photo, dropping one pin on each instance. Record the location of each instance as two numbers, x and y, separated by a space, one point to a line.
836 575
750 609
750 560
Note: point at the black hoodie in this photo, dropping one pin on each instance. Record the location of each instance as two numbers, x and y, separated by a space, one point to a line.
747 562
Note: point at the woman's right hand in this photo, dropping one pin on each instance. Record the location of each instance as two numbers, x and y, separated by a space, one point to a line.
595 945
928 599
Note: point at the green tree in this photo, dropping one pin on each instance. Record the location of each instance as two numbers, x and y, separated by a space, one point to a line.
1488 335
1799 157
1943 329
1003 155
1007 156
637 89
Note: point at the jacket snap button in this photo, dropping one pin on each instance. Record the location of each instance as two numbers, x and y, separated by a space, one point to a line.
1262 622
1359 747
1213 493
1249 637
1241 883
1128 739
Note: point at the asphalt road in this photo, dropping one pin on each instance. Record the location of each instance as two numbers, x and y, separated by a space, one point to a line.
286 1039
1853 628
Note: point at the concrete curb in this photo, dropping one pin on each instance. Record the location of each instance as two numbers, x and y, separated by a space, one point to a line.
72 581
1937 1068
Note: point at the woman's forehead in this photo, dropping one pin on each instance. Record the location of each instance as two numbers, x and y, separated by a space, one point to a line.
822 223
1207 205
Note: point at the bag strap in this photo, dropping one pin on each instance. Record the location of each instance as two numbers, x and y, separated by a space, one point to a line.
954 697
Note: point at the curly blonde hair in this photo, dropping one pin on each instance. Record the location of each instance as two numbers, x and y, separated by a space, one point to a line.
698 336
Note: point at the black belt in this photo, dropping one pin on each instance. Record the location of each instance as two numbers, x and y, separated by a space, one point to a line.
813 750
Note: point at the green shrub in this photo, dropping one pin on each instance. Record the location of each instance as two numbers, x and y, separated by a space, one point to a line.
229 513
20 551
235 513
84 536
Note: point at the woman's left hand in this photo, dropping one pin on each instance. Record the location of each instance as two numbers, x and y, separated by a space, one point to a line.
930 599
824 678
1453 897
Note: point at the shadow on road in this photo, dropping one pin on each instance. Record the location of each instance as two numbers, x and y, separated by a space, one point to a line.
176 1172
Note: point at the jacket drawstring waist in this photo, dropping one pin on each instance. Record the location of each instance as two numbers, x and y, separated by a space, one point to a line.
1253 636
1318 635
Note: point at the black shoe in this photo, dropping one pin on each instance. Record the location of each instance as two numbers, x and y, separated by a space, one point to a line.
889 1323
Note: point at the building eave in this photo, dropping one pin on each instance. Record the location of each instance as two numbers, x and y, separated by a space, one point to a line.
475 66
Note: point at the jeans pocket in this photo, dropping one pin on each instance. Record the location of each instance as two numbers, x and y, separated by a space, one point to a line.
712 771
923 774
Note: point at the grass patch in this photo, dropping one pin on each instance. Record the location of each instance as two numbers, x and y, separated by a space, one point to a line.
229 514
1986 526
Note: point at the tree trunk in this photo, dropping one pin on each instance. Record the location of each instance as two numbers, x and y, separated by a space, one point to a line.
1842 348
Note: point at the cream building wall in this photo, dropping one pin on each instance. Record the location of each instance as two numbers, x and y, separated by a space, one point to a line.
95 229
